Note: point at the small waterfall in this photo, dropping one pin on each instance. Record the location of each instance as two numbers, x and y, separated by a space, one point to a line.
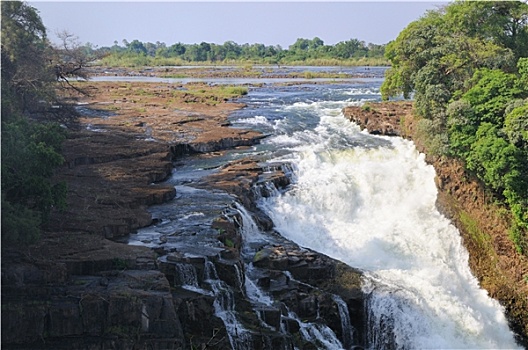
266 187
187 278
316 333
319 334
249 229
240 278
186 275
253 292
224 305
346 327
390 317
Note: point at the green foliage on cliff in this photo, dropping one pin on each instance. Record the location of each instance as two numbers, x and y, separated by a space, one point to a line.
466 66
30 149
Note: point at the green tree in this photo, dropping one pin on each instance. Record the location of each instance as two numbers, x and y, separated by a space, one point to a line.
503 167
490 93
30 148
461 38
466 67
25 76
232 50
137 47
516 125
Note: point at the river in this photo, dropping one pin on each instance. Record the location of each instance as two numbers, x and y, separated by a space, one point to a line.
369 201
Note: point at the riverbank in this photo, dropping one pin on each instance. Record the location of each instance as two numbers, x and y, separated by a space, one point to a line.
499 268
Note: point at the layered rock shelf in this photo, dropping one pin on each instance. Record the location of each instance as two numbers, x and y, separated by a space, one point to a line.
79 288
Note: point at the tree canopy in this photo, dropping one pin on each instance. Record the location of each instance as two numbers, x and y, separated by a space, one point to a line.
466 66
300 51
31 143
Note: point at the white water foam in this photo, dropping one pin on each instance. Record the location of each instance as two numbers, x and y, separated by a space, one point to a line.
374 209
224 304
256 120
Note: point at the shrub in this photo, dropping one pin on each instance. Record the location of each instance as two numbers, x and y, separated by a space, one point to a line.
30 153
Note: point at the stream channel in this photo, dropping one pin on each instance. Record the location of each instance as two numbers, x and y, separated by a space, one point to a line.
365 200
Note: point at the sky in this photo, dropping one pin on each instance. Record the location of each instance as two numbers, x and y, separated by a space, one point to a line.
264 22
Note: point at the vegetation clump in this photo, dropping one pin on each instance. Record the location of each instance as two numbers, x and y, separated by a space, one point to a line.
32 71
467 68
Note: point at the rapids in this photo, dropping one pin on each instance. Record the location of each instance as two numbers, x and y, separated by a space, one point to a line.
369 201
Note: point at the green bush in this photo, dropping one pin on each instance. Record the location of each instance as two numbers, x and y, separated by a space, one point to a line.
20 225
434 137
516 125
462 125
30 154
235 90
490 93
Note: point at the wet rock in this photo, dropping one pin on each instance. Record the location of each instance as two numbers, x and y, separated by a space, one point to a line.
291 325
271 316
308 307
23 322
132 302
232 273
200 325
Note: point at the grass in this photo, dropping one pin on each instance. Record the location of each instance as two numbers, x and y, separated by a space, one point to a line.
234 91
366 107
482 239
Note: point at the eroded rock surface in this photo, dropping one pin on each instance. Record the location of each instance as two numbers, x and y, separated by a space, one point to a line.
379 119
79 289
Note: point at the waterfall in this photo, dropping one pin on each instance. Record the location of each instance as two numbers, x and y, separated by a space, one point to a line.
249 229
370 202
224 304
346 327
253 292
317 333
186 275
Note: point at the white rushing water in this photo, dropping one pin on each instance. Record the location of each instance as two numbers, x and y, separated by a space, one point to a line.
370 202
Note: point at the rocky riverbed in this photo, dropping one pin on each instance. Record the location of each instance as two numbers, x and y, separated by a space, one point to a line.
80 288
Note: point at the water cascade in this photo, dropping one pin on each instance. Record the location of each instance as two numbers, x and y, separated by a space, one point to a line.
186 274
369 201
316 333
224 304
346 327
374 208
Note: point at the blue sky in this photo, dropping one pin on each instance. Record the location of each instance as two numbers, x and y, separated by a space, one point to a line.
265 22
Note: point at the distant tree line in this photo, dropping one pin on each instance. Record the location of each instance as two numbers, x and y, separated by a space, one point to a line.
301 51
466 66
